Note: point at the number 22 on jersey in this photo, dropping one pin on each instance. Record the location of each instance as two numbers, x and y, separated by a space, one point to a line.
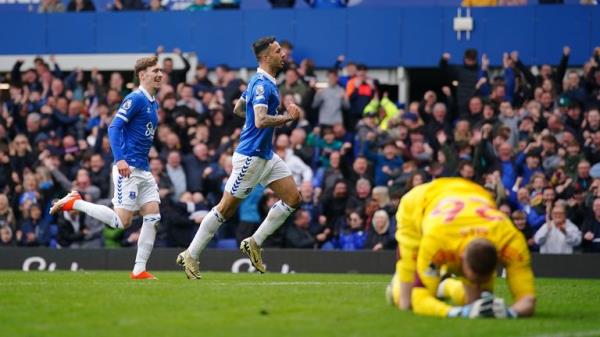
450 208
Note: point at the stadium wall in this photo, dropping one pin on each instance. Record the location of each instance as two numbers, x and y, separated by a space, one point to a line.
381 37
279 261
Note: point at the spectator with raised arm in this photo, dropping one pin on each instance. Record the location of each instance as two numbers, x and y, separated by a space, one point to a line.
360 90
573 88
466 74
545 71
175 76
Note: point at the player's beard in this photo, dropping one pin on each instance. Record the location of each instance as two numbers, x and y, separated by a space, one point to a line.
277 67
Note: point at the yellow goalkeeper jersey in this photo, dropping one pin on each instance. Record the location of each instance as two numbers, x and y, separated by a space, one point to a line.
449 213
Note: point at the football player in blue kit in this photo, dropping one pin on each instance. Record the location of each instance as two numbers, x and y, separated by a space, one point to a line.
253 162
131 134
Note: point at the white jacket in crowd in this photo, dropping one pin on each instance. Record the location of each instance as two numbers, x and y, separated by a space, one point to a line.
300 171
554 241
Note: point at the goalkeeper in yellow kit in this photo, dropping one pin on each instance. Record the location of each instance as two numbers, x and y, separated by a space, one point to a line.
451 226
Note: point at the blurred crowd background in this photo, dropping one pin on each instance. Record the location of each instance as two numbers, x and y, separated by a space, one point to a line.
529 134
59 6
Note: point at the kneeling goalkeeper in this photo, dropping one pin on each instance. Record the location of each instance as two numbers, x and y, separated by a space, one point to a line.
451 240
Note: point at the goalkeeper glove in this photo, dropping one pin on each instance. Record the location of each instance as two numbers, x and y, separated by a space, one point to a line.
483 307
464 311
486 307
501 310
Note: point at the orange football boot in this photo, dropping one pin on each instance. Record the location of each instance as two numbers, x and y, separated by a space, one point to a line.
66 203
142 276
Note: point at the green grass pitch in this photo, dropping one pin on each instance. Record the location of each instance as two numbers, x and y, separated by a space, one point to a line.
109 304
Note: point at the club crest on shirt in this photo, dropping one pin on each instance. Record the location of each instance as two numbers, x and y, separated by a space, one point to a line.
260 90
126 104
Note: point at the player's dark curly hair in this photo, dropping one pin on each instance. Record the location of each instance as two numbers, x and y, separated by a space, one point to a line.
481 256
262 44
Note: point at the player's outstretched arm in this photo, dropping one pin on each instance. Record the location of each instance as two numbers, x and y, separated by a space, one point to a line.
240 108
263 120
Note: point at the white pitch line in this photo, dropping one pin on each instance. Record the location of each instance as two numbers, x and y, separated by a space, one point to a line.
588 333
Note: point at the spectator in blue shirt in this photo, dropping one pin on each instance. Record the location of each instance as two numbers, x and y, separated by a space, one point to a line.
386 163
36 230
353 236
519 200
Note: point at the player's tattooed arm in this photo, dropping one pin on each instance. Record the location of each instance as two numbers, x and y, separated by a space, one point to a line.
263 120
240 108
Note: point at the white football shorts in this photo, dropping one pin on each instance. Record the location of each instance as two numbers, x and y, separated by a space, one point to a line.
250 171
134 192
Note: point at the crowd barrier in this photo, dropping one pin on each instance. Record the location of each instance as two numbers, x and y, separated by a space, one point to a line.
277 261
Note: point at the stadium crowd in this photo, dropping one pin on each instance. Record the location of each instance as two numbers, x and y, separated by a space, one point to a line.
57 6
532 139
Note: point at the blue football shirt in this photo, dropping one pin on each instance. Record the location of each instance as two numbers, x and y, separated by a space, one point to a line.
261 91
137 117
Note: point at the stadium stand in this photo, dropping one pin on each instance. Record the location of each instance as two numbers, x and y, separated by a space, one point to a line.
530 135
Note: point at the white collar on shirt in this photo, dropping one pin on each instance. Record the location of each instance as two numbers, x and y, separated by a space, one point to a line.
150 98
271 78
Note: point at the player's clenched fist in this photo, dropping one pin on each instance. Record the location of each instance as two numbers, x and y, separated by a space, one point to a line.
123 168
293 111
